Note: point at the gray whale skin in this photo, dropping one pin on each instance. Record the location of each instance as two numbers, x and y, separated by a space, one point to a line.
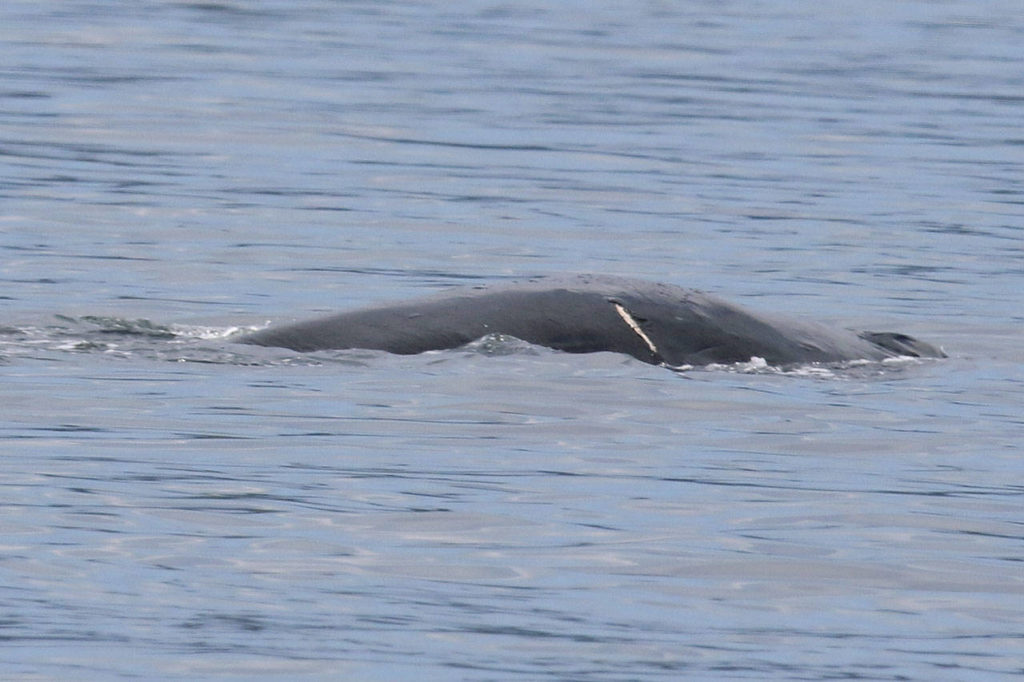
660 324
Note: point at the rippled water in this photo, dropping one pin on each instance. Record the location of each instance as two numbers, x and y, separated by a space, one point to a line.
177 506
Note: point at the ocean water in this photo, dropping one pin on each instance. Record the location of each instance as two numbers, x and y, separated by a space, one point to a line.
176 506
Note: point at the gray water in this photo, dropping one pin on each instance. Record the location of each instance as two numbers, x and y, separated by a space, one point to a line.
179 507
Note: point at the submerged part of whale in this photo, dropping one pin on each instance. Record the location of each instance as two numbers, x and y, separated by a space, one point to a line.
657 323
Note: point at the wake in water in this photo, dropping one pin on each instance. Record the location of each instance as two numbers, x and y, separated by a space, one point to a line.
113 336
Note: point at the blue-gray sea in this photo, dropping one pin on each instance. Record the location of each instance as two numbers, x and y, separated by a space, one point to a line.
176 506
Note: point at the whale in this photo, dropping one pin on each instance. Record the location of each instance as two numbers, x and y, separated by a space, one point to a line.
657 323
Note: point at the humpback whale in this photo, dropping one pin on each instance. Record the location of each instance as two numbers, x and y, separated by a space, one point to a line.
661 324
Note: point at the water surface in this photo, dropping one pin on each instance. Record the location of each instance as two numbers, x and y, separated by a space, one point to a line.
179 507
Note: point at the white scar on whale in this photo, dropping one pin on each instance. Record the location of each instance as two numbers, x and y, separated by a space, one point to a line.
628 319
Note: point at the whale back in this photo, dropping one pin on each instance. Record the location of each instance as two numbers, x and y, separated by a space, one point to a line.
653 322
